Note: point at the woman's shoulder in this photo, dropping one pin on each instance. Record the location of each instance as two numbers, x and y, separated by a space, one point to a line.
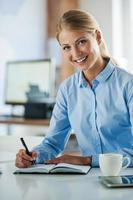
123 77
123 72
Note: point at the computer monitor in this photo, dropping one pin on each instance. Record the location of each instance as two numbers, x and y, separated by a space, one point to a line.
29 81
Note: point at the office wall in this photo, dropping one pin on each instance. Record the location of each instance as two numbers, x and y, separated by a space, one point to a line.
23 26
23 32
128 32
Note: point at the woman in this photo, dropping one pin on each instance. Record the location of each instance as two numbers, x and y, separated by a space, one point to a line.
96 102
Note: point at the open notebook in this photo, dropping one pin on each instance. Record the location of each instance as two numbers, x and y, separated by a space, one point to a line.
51 168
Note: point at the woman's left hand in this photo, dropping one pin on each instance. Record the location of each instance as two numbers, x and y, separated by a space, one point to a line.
71 159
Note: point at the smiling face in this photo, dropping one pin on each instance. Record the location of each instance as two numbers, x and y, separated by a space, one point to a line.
81 49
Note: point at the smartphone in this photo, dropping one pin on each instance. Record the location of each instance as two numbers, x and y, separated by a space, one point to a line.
117 181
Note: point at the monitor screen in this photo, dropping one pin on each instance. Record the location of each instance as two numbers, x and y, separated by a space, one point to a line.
29 81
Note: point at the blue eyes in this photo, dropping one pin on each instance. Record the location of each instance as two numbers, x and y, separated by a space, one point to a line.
77 44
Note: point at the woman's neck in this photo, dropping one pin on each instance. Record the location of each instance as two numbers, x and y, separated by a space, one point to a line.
92 73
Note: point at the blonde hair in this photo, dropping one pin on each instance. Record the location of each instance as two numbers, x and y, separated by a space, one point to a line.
83 21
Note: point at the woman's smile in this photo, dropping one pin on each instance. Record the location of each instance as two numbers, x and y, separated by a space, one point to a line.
81 60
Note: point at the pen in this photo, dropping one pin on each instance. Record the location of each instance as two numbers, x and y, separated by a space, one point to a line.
27 150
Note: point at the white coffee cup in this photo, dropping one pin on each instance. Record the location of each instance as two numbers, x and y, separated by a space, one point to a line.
112 163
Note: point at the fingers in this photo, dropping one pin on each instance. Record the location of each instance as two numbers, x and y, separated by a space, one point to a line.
24 160
34 155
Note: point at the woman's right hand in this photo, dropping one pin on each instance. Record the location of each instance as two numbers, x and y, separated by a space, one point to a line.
23 160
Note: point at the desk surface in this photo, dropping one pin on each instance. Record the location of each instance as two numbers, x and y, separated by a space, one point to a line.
58 187
23 121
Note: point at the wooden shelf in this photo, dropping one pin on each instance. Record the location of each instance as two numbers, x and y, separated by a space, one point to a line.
23 121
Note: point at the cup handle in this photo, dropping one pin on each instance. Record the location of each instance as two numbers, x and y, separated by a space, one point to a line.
128 162
127 180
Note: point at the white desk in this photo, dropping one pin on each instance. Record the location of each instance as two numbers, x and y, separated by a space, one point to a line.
58 187
6 156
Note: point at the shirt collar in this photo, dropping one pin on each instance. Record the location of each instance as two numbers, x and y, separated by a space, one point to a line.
106 72
101 77
82 80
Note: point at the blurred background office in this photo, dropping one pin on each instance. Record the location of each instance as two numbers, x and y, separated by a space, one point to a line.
27 32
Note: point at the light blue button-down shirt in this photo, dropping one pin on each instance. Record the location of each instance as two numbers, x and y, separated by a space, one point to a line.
101 116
